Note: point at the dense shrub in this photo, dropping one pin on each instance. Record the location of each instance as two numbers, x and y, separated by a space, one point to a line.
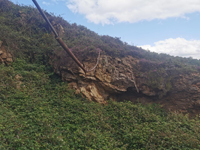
42 113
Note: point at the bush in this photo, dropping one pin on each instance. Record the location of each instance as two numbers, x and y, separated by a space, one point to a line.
44 114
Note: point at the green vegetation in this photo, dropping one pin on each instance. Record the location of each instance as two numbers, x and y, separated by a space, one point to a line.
38 111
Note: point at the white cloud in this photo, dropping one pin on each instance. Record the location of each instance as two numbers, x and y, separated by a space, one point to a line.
112 11
176 47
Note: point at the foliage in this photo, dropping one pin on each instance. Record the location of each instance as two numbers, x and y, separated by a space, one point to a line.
42 113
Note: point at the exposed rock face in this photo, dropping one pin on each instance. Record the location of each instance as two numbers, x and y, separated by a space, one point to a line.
124 79
5 56
112 75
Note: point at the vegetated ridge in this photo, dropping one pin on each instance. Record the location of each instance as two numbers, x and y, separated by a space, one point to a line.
39 111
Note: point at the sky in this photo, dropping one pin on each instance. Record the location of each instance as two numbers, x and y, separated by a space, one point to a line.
162 26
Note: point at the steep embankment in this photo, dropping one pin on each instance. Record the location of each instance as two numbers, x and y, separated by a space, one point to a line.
124 72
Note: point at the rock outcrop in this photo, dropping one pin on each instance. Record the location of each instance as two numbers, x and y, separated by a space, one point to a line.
126 79
5 56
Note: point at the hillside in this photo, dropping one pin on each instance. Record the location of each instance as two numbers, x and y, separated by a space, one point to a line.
46 101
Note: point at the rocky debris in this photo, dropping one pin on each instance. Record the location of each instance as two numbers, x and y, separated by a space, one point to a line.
122 79
5 56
